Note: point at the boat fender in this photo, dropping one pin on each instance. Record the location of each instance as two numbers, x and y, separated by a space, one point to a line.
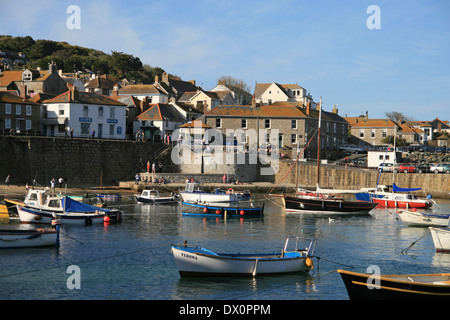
230 190
106 218
205 209
217 211
309 263
242 212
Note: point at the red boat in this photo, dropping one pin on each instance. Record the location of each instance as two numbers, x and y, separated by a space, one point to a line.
398 200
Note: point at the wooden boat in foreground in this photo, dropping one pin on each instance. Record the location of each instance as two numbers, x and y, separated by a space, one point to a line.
201 262
441 239
18 238
222 210
323 205
362 286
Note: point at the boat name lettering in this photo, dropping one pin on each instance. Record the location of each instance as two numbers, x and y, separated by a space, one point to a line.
190 256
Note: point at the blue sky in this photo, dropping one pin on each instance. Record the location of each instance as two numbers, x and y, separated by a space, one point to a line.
323 45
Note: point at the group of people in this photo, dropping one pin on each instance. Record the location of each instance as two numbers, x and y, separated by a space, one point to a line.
154 168
53 184
147 180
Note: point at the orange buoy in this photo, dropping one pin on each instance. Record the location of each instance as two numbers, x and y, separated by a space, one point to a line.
309 263
242 212
218 211
106 219
205 209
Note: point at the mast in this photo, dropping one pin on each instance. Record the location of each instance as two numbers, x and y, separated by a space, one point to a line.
395 157
318 144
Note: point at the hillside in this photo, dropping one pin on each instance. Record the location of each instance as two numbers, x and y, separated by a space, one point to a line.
71 58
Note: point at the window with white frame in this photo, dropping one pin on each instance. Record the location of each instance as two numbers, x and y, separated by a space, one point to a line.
111 129
112 113
7 123
293 138
372 133
243 123
384 133
267 123
18 109
218 123
29 110
85 111
361 133
28 124
7 108
100 111
294 124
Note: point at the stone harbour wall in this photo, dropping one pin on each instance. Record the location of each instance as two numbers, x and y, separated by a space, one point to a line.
78 161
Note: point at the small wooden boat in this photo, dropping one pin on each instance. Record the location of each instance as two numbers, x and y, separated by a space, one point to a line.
17 238
362 286
417 218
222 210
441 238
153 197
200 262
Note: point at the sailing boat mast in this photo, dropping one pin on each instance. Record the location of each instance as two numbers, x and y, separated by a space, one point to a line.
395 157
318 144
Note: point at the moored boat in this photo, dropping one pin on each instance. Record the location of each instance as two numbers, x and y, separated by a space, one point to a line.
362 286
189 194
417 218
400 200
153 197
223 210
323 205
18 238
67 211
441 238
200 262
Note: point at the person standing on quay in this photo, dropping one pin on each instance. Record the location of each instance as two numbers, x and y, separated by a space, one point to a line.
53 185
8 180
148 166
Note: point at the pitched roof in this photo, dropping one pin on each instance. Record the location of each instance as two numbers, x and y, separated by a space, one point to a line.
7 97
140 89
101 82
9 76
378 123
264 111
161 111
260 88
85 97
195 124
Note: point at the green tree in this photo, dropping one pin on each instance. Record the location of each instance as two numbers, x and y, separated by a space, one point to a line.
122 64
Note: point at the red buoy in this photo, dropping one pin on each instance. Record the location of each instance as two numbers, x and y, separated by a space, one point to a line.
242 212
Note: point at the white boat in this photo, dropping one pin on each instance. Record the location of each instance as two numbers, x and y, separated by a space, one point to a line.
199 262
18 238
423 219
189 194
441 238
67 211
153 197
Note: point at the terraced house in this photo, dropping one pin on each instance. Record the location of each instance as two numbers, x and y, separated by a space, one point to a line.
18 115
295 125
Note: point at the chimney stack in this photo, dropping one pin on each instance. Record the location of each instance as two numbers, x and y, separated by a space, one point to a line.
308 108
115 91
23 91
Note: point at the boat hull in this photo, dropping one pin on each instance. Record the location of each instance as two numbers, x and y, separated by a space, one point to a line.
394 287
205 197
160 200
419 219
28 238
216 210
327 206
30 215
386 203
198 262
441 239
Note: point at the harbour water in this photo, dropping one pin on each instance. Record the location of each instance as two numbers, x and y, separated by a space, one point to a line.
131 260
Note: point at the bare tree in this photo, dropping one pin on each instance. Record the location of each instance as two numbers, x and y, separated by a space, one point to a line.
238 86
396 116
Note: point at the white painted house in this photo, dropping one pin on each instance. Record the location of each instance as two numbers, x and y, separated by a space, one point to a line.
85 114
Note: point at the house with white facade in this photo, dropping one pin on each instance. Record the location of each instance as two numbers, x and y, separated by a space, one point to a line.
143 91
268 93
84 114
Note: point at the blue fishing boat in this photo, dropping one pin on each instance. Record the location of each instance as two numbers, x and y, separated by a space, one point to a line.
223 210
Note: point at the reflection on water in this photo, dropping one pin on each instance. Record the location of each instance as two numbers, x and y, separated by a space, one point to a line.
132 259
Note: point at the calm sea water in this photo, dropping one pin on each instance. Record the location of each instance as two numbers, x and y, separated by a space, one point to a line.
132 260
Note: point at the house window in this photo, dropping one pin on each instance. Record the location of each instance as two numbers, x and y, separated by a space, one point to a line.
85 111
28 110
112 113
7 123
334 128
7 108
218 123
61 110
28 124
244 123
293 138
100 111
85 128
343 128
293 124
267 123
372 133
111 129
384 133
18 109
361 133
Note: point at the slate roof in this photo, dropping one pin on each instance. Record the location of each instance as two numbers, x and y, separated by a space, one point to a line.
159 112
86 97
7 97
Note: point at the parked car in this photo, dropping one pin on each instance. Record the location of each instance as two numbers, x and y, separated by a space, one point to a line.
352 148
406 167
440 167
360 162
423 168
385 167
